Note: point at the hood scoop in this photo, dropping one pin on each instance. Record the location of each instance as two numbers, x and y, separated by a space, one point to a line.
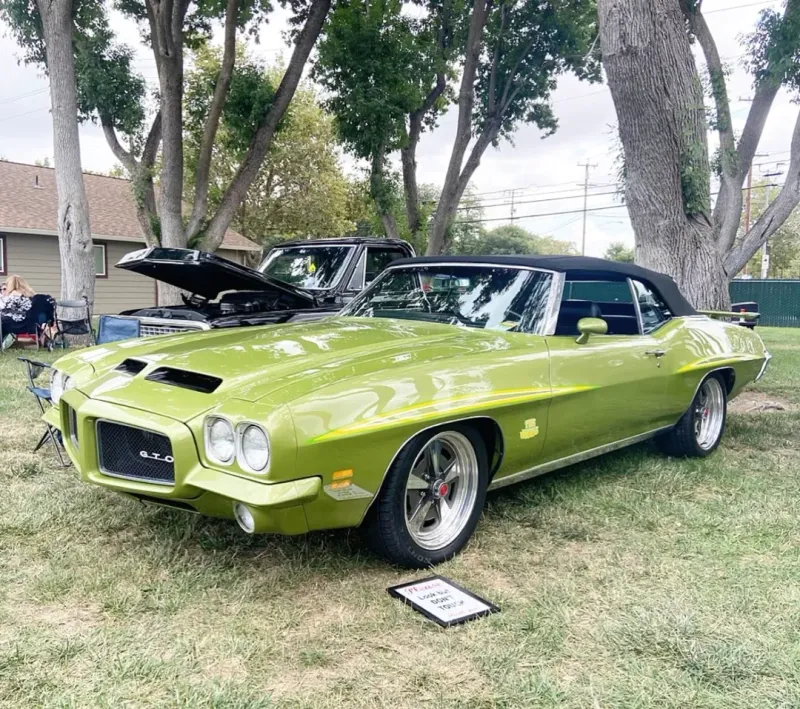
195 381
131 366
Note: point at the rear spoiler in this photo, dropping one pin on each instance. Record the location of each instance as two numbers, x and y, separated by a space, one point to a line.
722 314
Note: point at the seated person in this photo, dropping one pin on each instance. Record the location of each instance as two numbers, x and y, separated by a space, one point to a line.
15 302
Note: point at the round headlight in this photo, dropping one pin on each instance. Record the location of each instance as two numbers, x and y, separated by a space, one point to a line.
219 440
255 447
58 385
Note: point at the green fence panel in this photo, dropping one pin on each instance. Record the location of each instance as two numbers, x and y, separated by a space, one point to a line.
778 300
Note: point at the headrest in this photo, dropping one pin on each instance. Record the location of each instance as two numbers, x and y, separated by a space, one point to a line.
573 310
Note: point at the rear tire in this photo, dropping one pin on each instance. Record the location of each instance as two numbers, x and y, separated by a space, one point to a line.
431 499
699 431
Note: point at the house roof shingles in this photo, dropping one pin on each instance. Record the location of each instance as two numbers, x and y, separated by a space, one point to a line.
29 208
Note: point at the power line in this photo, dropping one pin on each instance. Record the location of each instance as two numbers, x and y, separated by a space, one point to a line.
739 7
27 113
516 202
18 97
578 211
543 214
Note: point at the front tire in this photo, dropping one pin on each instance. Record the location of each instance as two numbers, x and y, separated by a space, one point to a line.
432 498
700 429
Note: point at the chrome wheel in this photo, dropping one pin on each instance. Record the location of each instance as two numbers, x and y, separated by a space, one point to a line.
441 490
709 413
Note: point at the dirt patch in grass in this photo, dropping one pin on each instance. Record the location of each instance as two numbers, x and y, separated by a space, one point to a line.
749 402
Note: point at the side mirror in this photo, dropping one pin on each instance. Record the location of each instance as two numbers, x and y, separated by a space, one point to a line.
590 326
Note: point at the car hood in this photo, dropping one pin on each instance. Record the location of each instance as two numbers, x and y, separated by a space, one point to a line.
208 275
255 364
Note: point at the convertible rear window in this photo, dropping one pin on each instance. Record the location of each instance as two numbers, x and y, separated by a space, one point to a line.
487 297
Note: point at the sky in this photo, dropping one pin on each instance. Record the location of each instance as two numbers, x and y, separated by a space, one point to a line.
543 177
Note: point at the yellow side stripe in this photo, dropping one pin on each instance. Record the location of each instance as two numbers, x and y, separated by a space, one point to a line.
419 412
714 362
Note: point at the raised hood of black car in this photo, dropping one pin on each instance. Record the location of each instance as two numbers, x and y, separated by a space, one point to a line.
208 275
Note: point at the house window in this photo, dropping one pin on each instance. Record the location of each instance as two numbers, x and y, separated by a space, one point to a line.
100 261
2 256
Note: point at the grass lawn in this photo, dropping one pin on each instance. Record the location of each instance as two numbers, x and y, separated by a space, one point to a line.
629 581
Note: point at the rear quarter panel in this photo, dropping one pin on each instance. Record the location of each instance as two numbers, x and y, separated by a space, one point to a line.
699 345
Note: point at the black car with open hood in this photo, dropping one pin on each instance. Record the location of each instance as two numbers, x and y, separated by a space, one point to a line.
298 280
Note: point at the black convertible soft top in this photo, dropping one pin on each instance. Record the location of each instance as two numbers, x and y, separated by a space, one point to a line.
577 268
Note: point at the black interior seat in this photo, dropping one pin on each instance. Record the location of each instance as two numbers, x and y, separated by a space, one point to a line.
573 310
621 324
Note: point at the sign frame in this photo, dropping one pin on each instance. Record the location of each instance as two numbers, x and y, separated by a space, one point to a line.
394 592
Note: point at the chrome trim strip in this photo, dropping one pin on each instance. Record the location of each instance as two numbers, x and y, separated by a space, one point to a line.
149 481
763 370
344 312
241 427
468 264
636 307
572 459
554 304
168 322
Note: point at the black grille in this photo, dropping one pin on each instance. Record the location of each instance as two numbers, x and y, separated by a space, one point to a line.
130 452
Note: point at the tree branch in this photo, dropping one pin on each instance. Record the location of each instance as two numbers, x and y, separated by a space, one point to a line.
377 190
408 154
212 122
141 175
774 215
259 145
728 209
124 156
505 101
496 58
152 142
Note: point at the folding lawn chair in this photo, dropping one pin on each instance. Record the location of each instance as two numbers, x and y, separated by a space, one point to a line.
43 399
36 325
80 324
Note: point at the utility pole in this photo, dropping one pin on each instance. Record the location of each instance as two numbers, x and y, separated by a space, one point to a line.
765 248
747 198
513 211
586 165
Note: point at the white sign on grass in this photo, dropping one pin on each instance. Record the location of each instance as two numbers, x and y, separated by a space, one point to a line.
443 601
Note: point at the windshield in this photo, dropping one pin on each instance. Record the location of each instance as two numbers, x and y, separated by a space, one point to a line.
488 297
312 267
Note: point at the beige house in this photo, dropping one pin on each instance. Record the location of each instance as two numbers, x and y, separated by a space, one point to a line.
29 241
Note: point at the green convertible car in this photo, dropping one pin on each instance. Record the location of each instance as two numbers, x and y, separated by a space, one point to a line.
446 378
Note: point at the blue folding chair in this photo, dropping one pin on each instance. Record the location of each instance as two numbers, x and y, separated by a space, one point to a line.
43 399
112 328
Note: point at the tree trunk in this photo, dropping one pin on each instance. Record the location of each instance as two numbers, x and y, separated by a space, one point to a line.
378 190
74 234
171 193
453 186
658 97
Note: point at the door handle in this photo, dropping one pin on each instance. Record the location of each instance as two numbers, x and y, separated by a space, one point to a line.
656 353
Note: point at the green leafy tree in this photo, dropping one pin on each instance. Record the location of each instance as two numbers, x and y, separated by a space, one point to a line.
300 189
390 76
511 239
617 251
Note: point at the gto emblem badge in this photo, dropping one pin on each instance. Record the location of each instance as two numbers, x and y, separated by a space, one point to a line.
530 431
156 456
